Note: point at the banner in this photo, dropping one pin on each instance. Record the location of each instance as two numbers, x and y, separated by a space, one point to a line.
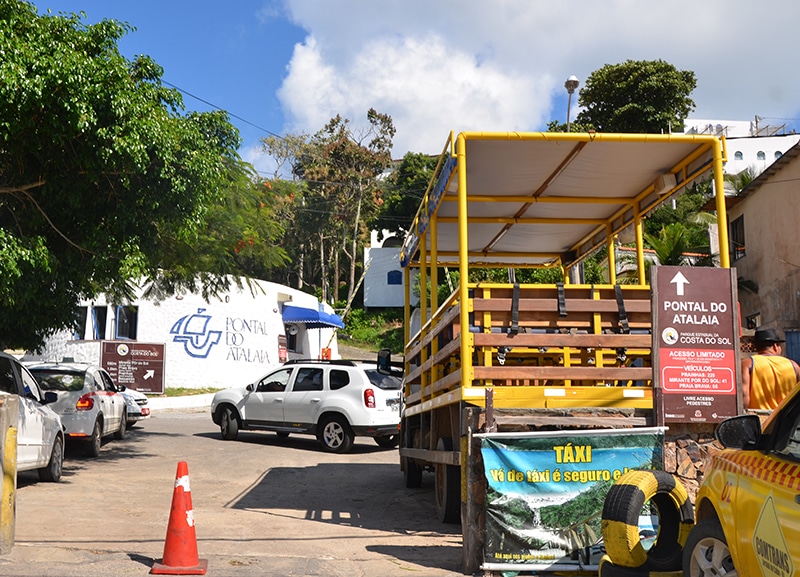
546 490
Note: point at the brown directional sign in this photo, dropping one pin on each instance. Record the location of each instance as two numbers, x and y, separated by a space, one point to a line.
136 365
695 342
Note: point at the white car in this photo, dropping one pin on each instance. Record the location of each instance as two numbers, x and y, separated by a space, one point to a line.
333 400
136 403
40 436
89 403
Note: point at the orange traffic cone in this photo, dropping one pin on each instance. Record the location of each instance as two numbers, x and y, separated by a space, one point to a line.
180 548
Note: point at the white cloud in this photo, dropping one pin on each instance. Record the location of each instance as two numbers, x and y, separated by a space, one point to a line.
500 65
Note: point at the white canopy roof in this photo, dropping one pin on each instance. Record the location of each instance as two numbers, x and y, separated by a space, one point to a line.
543 199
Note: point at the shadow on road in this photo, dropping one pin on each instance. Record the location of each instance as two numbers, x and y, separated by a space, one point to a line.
362 495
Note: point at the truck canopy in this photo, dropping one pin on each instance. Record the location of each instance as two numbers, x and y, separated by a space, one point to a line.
550 199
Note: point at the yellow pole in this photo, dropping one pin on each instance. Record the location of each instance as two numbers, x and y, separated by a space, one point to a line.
463 263
611 247
722 215
637 223
9 415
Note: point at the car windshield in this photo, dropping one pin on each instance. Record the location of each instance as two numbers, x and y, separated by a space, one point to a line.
60 380
385 382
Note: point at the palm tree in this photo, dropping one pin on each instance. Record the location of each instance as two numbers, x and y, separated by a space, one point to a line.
671 247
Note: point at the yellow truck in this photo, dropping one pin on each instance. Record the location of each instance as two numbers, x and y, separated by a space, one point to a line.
517 354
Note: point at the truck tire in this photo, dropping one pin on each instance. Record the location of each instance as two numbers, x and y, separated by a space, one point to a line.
447 487
620 521
412 472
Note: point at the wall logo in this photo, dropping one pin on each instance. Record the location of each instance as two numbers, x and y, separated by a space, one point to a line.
192 331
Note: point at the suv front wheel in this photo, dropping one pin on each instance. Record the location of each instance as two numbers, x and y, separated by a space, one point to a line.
335 434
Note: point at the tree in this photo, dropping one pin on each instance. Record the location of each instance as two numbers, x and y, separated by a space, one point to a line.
649 96
341 169
403 192
100 173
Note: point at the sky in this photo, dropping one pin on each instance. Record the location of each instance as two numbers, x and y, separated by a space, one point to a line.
435 66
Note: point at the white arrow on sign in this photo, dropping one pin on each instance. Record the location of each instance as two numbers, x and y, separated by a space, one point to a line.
680 280
152 373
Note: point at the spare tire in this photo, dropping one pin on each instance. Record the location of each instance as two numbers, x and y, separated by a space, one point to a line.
620 522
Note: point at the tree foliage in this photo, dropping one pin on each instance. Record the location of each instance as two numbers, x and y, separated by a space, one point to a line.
403 192
649 96
337 174
102 178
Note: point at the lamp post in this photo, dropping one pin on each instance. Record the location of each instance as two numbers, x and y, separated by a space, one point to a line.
571 84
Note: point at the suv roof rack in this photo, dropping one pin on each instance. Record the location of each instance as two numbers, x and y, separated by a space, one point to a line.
341 362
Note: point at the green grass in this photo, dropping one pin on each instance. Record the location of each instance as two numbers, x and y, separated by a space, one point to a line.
184 391
375 331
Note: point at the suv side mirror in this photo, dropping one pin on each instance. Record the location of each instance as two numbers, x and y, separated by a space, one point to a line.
739 432
49 397
385 362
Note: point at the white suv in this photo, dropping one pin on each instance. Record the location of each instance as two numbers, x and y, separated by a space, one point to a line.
40 436
334 400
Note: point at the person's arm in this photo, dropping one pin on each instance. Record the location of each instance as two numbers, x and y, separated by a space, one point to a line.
746 366
796 370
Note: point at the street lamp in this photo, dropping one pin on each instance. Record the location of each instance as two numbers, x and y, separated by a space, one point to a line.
571 84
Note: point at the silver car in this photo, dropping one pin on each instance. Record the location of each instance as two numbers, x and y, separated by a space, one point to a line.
136 403
89 403
40 436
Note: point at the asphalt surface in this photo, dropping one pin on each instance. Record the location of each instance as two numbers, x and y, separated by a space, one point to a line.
264 507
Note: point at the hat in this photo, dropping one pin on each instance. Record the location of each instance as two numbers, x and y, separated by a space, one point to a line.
767 336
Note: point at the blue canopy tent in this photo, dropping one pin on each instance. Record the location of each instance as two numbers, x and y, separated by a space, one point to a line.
312 318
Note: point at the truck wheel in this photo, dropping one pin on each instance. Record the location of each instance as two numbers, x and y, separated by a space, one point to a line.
706 553
412 473
620 522
448 487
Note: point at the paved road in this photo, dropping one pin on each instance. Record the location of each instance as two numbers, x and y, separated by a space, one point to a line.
263 506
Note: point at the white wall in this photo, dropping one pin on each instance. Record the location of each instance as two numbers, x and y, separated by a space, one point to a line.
229 341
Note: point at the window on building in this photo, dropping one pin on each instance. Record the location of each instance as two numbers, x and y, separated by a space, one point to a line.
99 315
737 238
127 320
395 277
761 155
753 321
738 155
778 154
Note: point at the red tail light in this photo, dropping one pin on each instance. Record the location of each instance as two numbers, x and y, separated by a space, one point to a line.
369 398
85 403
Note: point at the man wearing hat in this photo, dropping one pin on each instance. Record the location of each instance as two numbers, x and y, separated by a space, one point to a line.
767 376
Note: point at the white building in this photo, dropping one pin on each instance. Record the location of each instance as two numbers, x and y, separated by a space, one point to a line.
184 341
750 144
383 282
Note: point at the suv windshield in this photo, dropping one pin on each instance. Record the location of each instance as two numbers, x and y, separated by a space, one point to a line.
60 380
385 382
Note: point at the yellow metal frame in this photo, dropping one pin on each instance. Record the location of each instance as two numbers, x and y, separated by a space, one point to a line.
426 222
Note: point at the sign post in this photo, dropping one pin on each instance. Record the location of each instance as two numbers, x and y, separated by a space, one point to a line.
696 342
136 365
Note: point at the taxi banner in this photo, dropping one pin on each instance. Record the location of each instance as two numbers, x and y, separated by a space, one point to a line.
546 491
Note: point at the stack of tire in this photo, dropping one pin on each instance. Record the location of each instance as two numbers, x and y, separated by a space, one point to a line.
625 555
